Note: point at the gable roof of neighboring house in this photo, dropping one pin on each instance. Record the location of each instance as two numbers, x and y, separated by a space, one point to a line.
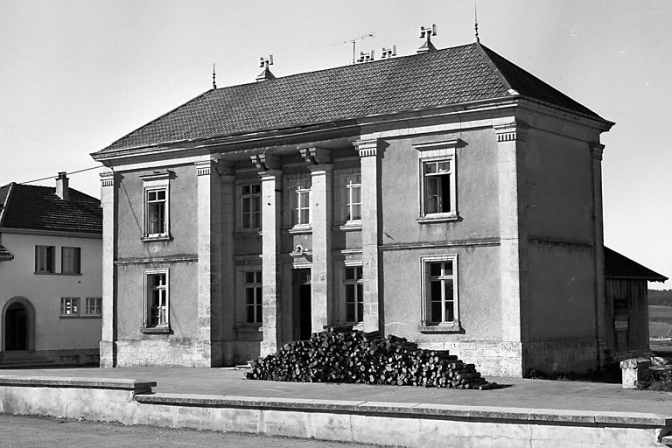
31 207
458 75
620 266
5 254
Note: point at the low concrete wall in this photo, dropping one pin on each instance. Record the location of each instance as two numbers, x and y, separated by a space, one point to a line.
399 424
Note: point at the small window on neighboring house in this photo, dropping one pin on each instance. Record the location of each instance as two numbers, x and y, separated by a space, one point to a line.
157 299
253 297
69 306
352 201
45 259
440 291
156 203
71 260
354 294
250 198
299 202
94 306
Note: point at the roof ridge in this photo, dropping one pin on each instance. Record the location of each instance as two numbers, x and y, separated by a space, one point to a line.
482 51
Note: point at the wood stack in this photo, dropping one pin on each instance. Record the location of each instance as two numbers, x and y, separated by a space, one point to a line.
340 354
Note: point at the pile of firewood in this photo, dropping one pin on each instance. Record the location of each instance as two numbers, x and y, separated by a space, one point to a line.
347 356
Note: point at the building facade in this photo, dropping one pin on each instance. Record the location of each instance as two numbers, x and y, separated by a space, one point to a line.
448 197
50 275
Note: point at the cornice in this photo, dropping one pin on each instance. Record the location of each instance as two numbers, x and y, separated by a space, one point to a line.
95 236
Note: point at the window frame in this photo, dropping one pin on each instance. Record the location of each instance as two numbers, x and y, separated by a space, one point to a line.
358 284
257 287
241 201
46 259
296 185
148 326
98 305
77 260
158 180
347 187
70 301
428 324
435 153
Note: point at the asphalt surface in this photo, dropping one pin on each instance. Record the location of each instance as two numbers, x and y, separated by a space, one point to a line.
513 393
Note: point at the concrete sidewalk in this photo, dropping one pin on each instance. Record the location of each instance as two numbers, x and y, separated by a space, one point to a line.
514 393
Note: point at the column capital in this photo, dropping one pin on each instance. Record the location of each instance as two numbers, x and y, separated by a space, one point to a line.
107 178
266 162
514 131
270 174
596 150
367 148
315 155
221 167
321 168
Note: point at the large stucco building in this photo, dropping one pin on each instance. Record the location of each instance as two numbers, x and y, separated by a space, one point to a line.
449 197
50 275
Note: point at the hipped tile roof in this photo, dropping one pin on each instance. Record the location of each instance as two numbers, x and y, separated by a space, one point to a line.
5 254
620 266
33 207
435 79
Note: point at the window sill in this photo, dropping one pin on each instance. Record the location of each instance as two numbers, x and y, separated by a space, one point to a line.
301 228
247 233
448 327
59 273
438 217
156 330
153 238
69 316
248 328
352 226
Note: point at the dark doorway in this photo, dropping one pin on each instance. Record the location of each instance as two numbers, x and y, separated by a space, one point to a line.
302 306
16 327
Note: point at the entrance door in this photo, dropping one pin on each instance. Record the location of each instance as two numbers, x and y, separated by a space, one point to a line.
302 306
16 327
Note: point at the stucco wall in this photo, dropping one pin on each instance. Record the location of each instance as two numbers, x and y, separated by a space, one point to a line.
558 174
562 293
44 291
476 182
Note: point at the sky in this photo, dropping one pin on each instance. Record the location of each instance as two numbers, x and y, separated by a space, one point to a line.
76 75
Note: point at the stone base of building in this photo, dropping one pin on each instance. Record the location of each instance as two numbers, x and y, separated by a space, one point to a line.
490 358
561 356
164 353
108 357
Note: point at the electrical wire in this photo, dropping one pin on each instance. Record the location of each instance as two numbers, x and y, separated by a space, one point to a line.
72 172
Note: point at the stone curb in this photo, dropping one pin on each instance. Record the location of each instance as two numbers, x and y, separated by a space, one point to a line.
413 410
87 383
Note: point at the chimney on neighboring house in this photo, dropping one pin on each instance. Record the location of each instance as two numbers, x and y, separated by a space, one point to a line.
62 185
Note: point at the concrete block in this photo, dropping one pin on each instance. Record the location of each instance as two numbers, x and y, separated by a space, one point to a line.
633 371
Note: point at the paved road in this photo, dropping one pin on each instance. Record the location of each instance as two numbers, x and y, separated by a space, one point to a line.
36 432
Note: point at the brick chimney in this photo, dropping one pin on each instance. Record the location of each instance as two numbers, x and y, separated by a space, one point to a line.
62 185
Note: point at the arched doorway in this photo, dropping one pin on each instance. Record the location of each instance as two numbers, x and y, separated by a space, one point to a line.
18 325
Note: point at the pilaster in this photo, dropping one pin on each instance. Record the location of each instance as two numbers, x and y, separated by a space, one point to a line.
108 353
271 190
371 233
321 198
603 336
209 297
511 141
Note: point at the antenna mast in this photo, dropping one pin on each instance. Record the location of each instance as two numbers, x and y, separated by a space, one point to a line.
214 83
478 39
354 41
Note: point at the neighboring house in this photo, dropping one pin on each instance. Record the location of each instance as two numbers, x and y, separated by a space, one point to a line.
627 303
449 197
50 274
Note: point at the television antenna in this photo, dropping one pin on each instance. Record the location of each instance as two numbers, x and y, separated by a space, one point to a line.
354 41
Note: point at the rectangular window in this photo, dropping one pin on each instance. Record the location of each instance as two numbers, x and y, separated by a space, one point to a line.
44 259
71 260
69 306
251 206
157 300
156 206
299 198
353 197
440 291
438 186
94 306
354 294
253 297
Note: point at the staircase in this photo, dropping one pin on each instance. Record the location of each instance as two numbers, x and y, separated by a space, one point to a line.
24 360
